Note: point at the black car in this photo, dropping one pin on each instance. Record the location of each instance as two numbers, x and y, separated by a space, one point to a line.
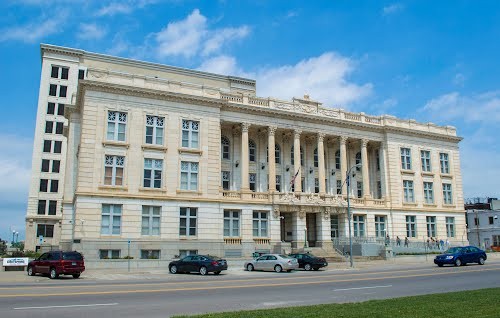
202 264
308 261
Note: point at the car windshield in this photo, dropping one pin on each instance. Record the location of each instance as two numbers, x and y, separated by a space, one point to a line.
454 250
72 256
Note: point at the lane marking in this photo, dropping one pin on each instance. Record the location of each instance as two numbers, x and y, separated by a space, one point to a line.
144 291
323 275
367 287
66 306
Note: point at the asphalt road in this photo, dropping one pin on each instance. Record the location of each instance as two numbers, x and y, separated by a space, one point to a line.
186 294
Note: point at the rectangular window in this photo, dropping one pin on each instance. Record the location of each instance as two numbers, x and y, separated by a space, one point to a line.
428 193
56 165
113 170
408 191
490 220
231 223
447 196
380 226
150 220
334 226
187 221
278 183
57 146
45 230
152 173
379 190
42 206
60 109
63 90
359 186
184 253
405 158
443 161
252 180
111 219
154 130
450 226
411 226
49 125
190 131
150 254
109 254
431 226
476 221
45 165
51 108
226 176
47 144
54 72
189 175
117 124
52 207
425 156
54 186
64 72
339 186
53 90
59 128
377 159
260 224
81 74
44 184
316 185
359 225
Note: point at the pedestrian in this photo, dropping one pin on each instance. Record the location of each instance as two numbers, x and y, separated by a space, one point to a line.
441 243
387 240
437 243
428 243
406 241
447 243
398 241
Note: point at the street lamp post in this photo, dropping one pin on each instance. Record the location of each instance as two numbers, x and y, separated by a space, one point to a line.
13 234
348 180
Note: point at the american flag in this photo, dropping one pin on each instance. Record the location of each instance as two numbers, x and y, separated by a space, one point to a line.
295 176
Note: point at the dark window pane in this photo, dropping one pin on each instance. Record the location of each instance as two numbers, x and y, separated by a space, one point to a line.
64 73
60 109
43 185
62 91
49 230
59 128
57 146
81 74
55 72
50 108
55 165
46 145
53 90
41 206
48 127
40 230
45 165
52 207
54 186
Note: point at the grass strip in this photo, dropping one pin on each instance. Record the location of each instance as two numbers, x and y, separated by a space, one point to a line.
476 303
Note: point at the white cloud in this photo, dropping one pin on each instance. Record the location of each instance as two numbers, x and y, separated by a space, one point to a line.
459 79
221 65
219 37
35 31
393 8
123 7
91 31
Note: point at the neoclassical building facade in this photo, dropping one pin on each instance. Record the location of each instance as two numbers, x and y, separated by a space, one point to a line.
166 161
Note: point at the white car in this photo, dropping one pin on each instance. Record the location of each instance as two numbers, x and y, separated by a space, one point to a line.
272 262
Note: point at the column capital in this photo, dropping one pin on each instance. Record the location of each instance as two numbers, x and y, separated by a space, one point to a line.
296 133
321 136
272 130
245 126
364 142
343 140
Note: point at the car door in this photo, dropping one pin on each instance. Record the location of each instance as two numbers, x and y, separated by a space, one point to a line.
260 263
183 265
41 264
474 254
271 262
468 255
299 258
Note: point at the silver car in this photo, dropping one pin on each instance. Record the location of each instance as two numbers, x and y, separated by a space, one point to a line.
272 262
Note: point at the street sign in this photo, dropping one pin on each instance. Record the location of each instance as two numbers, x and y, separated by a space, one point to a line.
40 239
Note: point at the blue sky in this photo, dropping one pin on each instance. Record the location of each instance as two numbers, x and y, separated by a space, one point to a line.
433 61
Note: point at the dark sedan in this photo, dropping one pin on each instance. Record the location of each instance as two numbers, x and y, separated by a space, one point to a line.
308 261
202 264
459 256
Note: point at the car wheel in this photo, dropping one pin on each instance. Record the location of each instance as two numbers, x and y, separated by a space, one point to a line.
307 267
249 267
53 274
481 261
458 262
440 265
173 269
30 271
278 269
76 276
203 270
217 273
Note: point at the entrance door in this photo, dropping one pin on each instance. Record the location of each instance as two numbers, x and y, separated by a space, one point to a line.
311 229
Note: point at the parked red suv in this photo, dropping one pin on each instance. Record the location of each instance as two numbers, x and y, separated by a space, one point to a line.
57 263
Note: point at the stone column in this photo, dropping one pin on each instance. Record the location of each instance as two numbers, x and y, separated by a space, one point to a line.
343 163
321 164
364 167
299 225
383 169
296 159
244 157
272 159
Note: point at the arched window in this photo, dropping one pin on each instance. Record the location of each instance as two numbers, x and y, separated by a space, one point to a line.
358 161
252 150
337 160
315 157
277 153
224 147
301 156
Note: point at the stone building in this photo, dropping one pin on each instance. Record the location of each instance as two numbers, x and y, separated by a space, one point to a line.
169 161
483 225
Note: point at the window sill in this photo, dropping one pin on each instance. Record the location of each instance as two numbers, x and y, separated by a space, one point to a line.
449 205
112 188
407 172
191 151
410 203
433 205
158 190
154 147
179 191
427 174
108 143
446 175
187 238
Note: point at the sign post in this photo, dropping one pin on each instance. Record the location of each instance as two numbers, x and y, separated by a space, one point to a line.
128 256
40 240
